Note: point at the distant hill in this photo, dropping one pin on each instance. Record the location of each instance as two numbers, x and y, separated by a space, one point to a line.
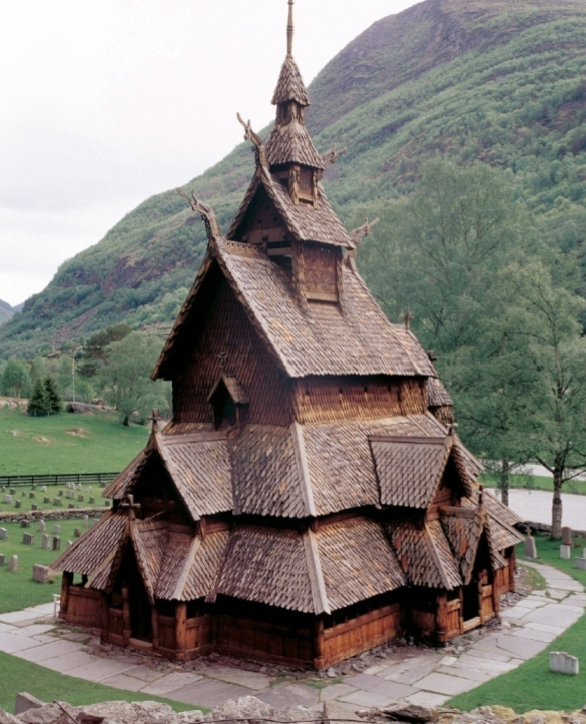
500 81
6 311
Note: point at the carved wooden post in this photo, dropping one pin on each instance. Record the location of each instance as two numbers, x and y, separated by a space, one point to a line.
441 617
155 626
180 629
480 597
104 606
318 644
66 582
125 615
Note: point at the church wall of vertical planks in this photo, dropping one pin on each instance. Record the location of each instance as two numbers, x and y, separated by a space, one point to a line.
310 499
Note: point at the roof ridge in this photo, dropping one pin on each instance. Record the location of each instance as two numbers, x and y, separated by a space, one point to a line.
184 575
303 468
316 579
436 559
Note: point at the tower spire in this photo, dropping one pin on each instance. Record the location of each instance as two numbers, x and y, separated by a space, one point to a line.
290 28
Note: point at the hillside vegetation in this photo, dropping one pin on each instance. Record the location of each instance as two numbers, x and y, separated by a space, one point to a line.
503 82
6 311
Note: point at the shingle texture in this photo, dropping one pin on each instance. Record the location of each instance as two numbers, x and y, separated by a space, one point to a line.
409 472
291 143
290 86
437 395
149 539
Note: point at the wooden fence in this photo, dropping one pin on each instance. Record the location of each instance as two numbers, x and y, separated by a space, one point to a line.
14 481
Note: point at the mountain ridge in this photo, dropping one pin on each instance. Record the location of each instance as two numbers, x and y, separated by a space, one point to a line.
501 82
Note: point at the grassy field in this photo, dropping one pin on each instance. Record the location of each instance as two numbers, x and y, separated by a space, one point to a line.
532 685
19 675
535 482
18 590
23 493
66 443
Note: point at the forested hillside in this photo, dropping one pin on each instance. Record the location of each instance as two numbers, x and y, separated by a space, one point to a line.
499 81
6 311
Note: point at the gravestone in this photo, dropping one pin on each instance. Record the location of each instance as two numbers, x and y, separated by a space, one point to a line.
13 564
34 486
566 536
3 489
17 503
566 552
56 543
95 520
57 529
3 533
28 539
40 573
103 485
92 500
41 526
80 498
43 488
71 506
8 498
23 494
86 521
60 493
77 533
69 494
563 663
79 486
31 496
12 491
25 524
46 542
46 500
2 559
57 501
69 543
580 563
34 506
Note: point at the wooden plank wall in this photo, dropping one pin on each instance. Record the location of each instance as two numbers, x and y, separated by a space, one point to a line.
84 607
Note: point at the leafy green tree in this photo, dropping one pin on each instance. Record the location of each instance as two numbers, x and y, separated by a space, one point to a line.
16 380
93 353
126 377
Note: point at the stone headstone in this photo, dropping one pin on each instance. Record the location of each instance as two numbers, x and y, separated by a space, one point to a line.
23 494
41 526
43 488
80 498
34 486
95 520
12 491
18 503
92 499
69 543
25 524
567 536
57 501
3 489
56 543
77 533
34 507
28 539
46 500
103 485
41 573
2 559
31 496
86 521
69 494
8 498
3 533
56 529
563 663
580 564
46 542
566 552
13 564
71 506
79 486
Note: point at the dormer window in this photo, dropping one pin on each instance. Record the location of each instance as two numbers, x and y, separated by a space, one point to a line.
229 403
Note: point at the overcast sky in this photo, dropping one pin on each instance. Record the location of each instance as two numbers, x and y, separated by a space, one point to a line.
106 103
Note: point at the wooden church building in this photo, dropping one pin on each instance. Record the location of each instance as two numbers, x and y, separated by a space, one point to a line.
309 499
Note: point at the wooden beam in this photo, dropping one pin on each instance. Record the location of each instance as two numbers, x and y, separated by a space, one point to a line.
318 586
126 631
303 468
155 626
66 582
180 629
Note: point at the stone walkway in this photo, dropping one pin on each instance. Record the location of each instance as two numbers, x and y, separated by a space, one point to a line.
420 675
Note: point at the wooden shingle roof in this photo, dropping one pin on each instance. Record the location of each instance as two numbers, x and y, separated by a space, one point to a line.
291 143
437 395
290 86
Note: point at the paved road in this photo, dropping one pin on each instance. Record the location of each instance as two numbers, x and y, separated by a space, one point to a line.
423 676
535 505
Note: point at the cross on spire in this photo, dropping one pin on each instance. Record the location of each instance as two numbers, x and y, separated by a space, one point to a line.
290 28
155 421
131 506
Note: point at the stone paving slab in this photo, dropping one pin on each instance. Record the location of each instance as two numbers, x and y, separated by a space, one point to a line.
393 690
363 681
367 699
411 674
249 679
465 672
50 651
170 682
335 691
69 662
427 698
11 644
531 633
282 696
444 684
476 653
145 674
33 630
121 681
208 693
99 670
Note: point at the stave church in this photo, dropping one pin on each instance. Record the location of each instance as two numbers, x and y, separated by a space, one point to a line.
310 498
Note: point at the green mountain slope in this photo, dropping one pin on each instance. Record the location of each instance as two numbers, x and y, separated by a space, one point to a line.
6 311
502 81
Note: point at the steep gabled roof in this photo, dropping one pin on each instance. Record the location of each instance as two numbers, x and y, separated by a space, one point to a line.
464 535
410 469
149 540
291 143
290 86
437 395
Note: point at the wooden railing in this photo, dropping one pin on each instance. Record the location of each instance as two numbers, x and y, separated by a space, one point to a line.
14 481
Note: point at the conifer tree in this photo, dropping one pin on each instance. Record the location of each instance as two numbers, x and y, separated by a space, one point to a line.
38 403
54 404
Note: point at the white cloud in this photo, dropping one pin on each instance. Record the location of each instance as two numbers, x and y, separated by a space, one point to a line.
107 103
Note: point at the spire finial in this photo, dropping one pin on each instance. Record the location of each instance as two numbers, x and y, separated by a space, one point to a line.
290 28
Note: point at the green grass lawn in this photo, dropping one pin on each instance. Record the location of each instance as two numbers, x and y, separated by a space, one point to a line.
66 443
18 590
532 686
19 675
535 482
23 493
